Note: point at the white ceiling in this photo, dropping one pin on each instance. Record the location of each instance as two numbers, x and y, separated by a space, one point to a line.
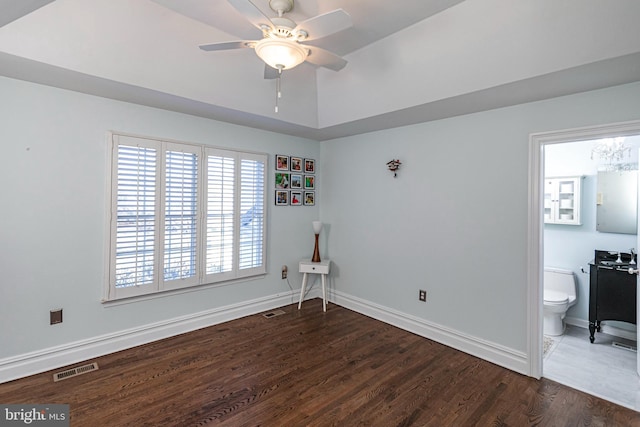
410 61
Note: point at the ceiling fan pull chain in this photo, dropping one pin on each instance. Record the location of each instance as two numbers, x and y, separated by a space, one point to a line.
277 92
278 88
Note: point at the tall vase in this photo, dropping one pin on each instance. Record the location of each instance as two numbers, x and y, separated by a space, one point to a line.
317 227
316 251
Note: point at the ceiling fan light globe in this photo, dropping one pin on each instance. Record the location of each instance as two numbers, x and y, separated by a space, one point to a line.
281 54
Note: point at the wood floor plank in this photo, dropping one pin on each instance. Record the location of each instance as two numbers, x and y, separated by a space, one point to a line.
310 368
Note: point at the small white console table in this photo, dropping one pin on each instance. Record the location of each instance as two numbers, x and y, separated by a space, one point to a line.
322 268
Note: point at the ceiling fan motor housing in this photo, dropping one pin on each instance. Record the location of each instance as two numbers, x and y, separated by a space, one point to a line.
283 27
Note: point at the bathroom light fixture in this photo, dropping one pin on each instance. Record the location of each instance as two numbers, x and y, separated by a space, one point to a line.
317 228
611 150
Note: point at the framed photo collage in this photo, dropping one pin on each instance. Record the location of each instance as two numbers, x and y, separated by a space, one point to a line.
295 181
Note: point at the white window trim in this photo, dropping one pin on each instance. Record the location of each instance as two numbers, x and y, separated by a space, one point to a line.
201 279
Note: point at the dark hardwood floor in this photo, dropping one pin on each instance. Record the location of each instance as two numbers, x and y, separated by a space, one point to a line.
309 368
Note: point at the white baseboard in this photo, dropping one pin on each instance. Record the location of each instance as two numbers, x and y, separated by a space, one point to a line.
492 352
604 327
55 357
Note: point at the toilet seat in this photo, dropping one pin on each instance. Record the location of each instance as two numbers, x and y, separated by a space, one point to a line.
555 297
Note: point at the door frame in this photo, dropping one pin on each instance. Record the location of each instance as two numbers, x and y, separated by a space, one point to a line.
535 235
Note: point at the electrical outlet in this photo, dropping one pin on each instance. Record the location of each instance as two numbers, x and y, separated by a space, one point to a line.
422 295
284 272
55 316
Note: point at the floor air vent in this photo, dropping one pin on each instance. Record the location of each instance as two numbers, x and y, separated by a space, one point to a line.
274 313
74 372
623 346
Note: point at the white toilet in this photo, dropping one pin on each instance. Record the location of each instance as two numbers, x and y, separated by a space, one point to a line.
559 295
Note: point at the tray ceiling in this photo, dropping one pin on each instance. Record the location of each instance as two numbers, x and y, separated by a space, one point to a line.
408 62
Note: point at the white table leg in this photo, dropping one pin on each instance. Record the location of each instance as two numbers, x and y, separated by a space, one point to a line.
304 285
324 294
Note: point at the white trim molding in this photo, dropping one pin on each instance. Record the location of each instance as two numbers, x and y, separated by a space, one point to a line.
80 351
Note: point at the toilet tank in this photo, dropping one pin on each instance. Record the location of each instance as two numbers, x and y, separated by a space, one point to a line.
560 280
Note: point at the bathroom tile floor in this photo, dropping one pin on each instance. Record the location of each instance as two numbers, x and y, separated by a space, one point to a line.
599 369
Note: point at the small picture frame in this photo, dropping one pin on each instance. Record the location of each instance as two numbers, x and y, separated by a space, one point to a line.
309 182
296 181
296 198
309 198
282 180
282 198
309 166
282 163
296 164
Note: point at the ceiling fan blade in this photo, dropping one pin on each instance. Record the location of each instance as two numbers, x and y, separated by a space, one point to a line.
326 24
324 58
227 45
270 72
252 13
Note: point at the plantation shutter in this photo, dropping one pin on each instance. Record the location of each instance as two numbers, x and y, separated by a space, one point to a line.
183 215
252 214
136 163
180 267
220 195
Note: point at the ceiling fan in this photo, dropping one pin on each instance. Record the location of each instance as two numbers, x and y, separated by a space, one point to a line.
281 47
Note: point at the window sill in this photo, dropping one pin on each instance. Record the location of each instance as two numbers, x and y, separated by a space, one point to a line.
163 294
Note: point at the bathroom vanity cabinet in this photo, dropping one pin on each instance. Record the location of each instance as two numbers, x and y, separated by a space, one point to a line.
562 200
612 290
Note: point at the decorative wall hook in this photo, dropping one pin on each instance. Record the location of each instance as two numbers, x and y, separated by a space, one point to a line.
393 166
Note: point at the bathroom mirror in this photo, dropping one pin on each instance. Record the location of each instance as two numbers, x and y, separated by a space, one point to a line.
617 202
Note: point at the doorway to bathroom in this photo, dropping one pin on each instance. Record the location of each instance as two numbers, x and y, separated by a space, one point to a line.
567 238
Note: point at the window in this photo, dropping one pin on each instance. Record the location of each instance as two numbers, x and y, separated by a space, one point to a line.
183 215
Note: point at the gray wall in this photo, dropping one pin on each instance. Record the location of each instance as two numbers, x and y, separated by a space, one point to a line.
454 221
52 222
